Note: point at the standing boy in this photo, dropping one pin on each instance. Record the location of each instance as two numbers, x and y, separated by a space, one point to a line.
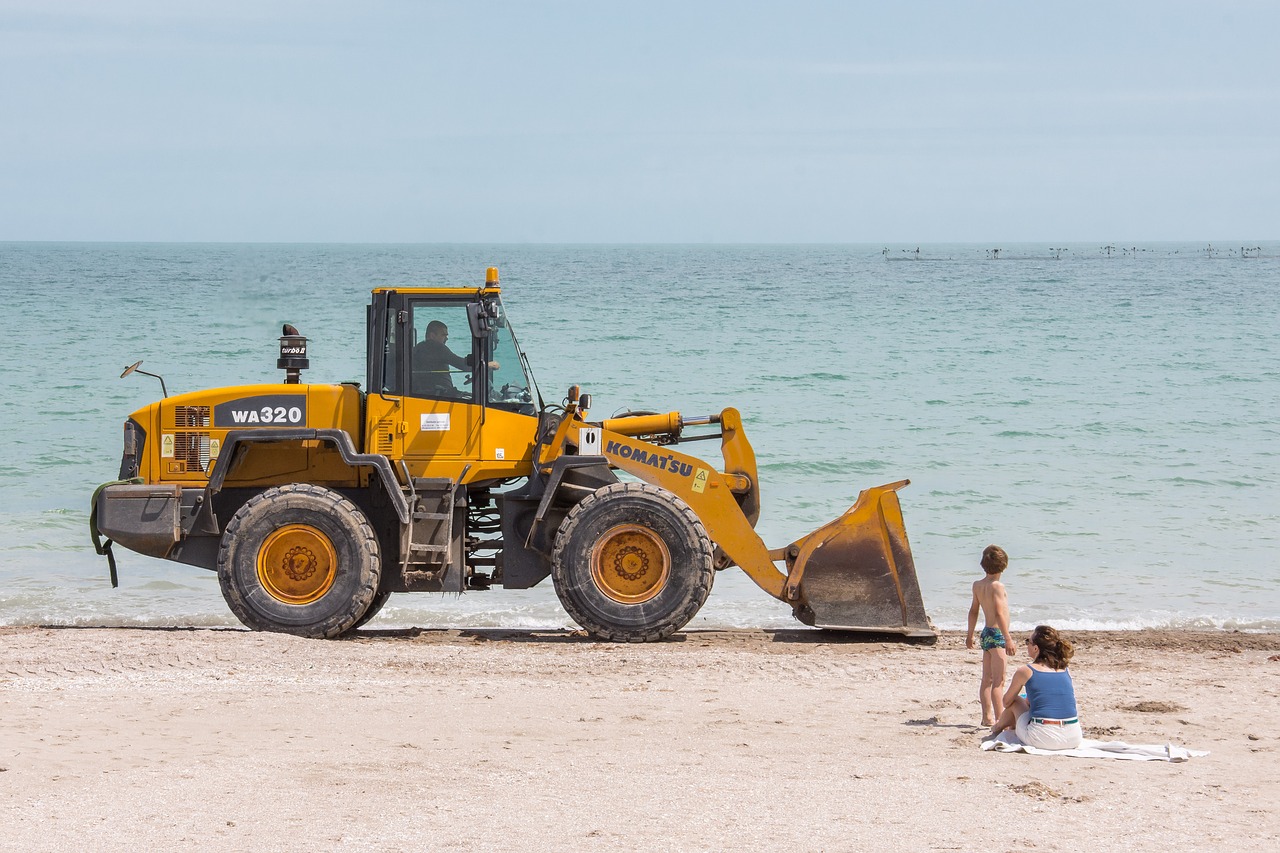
995 639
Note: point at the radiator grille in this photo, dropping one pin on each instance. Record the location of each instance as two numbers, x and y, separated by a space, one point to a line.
385 445
193 449
191 416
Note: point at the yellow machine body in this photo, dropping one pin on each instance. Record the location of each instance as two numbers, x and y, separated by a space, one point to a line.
314 502
186 441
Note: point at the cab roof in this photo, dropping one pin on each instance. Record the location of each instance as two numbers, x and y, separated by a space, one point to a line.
474 292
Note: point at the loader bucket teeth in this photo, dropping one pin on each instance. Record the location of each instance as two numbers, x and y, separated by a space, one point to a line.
856 572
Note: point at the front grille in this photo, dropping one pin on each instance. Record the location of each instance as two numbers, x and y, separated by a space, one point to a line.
190 416
192 448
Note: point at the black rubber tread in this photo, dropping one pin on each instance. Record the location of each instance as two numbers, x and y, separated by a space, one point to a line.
375 608
663 512
359 561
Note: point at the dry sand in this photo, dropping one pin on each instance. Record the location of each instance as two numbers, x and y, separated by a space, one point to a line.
118 739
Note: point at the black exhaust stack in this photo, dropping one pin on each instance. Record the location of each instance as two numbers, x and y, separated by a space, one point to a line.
293 354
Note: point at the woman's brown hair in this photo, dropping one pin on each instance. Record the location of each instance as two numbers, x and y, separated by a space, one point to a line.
1055 651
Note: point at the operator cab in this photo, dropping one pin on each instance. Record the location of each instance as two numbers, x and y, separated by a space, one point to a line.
448 344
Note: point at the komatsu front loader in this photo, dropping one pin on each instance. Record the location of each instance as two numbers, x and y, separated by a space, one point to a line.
314 503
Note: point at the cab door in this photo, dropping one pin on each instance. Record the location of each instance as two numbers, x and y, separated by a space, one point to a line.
439 384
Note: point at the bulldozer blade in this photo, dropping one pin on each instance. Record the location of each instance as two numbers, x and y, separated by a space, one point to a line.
856 572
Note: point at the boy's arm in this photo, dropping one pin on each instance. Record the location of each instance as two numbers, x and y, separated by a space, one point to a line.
1002 619
973 621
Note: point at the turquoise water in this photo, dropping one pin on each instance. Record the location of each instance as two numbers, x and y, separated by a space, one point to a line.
1109 418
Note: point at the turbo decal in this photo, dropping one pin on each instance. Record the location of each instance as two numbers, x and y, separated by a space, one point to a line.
669 462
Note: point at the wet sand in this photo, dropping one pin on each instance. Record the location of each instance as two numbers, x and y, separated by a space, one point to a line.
115 738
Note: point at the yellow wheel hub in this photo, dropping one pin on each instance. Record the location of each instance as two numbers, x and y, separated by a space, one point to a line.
297 564
630 564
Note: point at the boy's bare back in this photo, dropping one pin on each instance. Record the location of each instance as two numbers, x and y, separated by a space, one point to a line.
990 597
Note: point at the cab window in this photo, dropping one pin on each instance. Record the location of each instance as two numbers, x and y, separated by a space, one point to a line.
440 364
390 356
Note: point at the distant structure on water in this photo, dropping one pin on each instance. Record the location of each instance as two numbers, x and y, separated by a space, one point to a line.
1059 253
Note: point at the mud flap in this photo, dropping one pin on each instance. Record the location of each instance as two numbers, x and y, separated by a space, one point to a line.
856 572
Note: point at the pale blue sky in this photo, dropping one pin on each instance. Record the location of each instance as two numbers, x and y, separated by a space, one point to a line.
639 122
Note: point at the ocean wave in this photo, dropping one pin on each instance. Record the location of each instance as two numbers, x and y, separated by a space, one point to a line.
709 619
822 376
1185 481
1136 622
794 471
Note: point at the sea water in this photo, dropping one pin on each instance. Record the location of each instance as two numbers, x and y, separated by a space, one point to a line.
1107 415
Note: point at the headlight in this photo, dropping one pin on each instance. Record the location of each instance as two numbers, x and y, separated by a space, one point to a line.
135 438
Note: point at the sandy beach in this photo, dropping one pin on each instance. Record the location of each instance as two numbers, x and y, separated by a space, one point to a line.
116 738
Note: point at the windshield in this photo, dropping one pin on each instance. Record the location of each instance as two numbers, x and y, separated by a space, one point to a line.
511 385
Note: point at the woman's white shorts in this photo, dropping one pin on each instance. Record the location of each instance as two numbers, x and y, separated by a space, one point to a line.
1048 736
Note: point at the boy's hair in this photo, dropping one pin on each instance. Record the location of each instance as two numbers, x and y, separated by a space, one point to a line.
1055 650
994 560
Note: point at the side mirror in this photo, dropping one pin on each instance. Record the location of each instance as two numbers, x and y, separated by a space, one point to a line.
133 368
479 319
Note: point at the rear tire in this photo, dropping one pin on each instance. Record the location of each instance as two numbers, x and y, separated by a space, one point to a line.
374 609
299 559
632 563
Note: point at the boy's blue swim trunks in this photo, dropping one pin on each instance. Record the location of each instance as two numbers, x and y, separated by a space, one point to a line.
991 638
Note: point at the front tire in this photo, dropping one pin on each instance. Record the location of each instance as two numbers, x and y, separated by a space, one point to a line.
632 563
299 559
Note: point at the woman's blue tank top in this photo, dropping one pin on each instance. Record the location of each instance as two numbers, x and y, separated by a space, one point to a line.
1051 695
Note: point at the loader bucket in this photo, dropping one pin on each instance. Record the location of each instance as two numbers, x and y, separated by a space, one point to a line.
856 573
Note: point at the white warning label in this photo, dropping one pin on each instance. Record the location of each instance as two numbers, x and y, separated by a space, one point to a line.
435 422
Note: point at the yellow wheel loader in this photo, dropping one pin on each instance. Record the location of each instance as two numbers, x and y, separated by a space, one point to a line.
314 503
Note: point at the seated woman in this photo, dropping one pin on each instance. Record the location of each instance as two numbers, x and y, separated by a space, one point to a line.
1047 718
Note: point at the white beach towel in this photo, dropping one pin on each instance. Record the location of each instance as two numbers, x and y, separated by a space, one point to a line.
1007 741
